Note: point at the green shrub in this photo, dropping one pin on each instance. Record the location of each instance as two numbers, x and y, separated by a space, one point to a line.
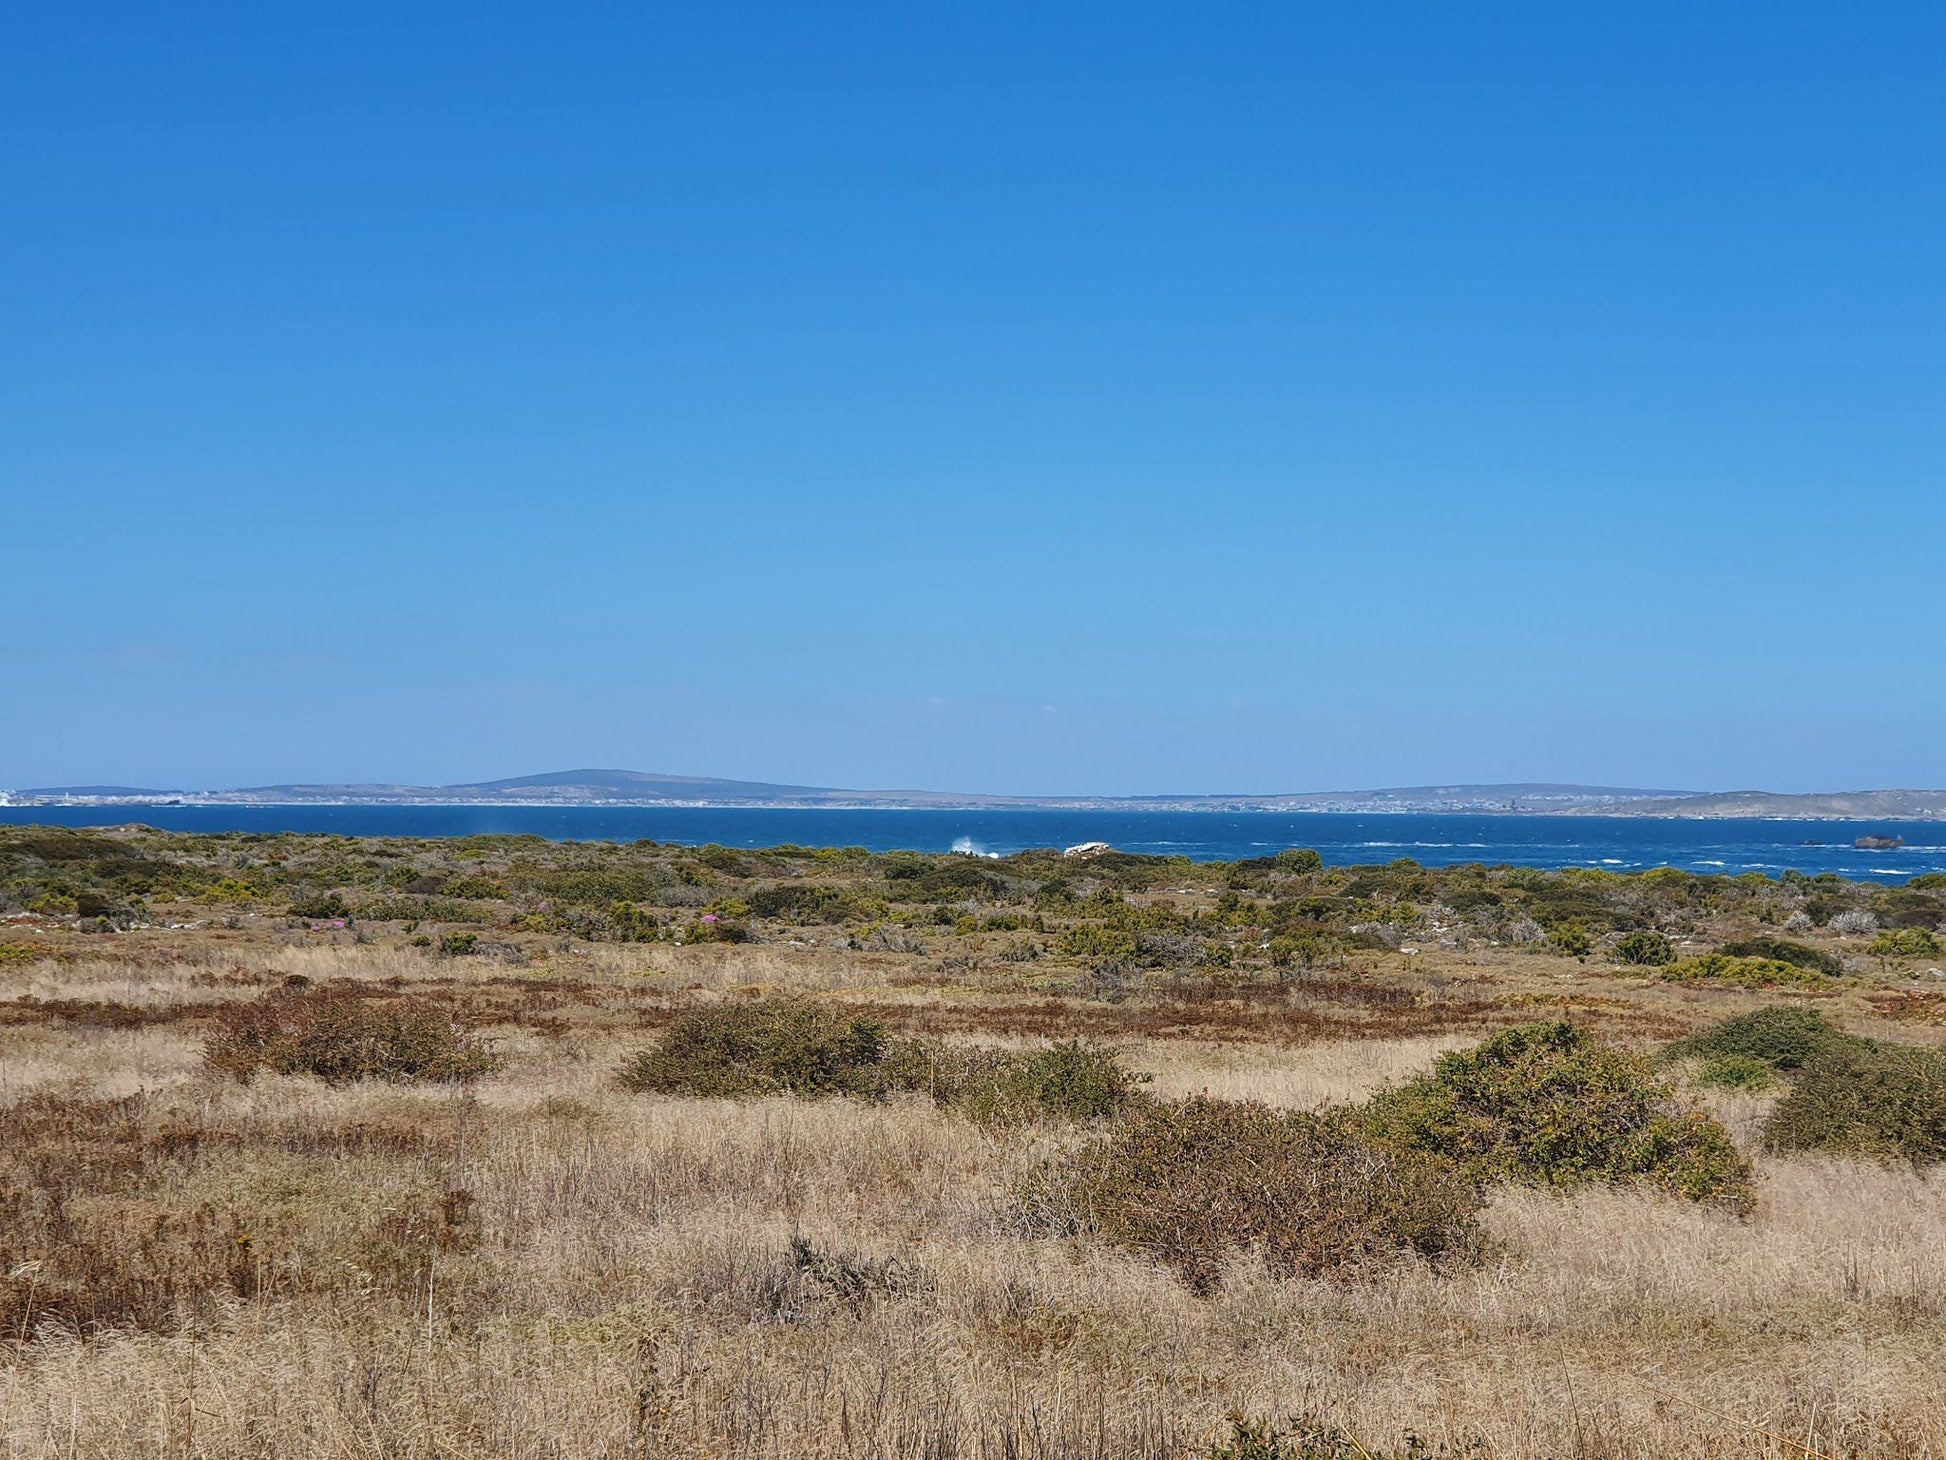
768 1047
1190 1183
328 905
1799 955
474 886
714 928
1571 939
1872 1099
1066 1081
1904 943
1307 948
1300 860
628 923
341 1037
1548 1104
1744 973
1645 949
1736 1072
1089 940
1782 1038
810 902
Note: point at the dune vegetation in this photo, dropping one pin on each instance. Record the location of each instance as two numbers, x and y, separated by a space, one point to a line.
497 1147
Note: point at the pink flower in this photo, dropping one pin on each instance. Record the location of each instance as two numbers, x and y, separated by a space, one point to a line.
709 917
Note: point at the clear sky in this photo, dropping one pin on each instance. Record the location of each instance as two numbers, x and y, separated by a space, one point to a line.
1106 398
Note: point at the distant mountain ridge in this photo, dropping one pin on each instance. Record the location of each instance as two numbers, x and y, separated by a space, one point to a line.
593 787
1812 806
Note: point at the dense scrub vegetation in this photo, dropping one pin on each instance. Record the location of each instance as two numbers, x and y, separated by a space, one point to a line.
340 1037
1545 1103
1192 1183
794 1046
778 1047
1866 1098
1129 920
1845 1093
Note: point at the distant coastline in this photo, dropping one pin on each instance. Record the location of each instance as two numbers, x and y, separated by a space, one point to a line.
611 789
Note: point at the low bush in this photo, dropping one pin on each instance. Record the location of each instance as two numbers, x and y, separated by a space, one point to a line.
1800 955
797 1047
1548 1104
1088 940
1736 1072
1743 973
1571 939
1192 1183
340 1037
1781 1038
1645 949
768 1047
1069 1080
325 905
714 928
628 923
1905 943
1872 1099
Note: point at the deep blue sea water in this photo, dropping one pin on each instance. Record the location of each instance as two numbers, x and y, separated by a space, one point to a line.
1621 843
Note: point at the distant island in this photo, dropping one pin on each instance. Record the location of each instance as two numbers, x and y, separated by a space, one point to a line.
644 788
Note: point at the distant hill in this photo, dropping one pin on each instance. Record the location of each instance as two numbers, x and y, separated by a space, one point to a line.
111 792
592 787
1816 806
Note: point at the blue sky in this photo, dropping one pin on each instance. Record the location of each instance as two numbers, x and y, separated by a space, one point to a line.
1012 398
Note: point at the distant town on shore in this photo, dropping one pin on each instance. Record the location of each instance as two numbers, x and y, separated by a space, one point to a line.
643 788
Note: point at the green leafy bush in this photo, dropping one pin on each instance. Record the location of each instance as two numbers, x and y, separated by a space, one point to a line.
1782 1038
1744 973
812 902
1548 1104
1645 949
1736 1072
628 923
768 1047
1905 943
1190 1183
1799 955
340 1038
1089 940
1868 1098
473 886
1571 939
1066 1081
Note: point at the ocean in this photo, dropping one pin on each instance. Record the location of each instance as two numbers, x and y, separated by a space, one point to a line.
1621 844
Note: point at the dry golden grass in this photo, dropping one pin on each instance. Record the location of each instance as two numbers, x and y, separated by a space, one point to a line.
625 1283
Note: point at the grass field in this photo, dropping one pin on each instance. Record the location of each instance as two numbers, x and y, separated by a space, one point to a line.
535 1262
